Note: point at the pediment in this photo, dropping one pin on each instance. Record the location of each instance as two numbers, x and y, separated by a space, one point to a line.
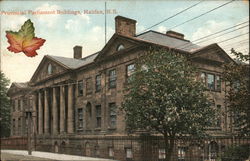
16 87
213 53
117 44
47 69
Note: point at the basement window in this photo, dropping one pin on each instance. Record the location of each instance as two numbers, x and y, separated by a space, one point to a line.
111 152
181 154
129 154
162 154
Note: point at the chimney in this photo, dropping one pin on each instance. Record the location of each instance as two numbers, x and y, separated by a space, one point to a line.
77 52
125 26
175 34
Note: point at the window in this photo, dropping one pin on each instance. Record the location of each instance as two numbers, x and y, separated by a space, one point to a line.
19 104
162 154
80 118
130 69
98 111
181 153
88 86
88 115
203 78
218 83
80 88
236 117
213 150
111 152
120 47
13 105
112 115
210 81
129 153
49 69
97 151
218 122
236 85
98 83
112 78
19 126
14 126
144 68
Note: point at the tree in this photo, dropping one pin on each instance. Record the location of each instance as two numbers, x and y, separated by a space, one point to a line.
5 106
236 153
163 95
236 75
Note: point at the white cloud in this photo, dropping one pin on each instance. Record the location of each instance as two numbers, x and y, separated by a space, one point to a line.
139 28
85 17
76 24
12 22
49 19
72 25
162 29
211 27
208 28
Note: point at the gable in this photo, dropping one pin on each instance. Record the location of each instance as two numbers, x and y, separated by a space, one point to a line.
47 69
17 87
213 53
111 48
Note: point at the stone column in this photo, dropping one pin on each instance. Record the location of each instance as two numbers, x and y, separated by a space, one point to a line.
62 109
40 113
55 113
46 112
70 110
34 114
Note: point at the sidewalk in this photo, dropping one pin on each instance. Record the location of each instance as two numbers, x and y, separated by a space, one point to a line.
37 155
15 157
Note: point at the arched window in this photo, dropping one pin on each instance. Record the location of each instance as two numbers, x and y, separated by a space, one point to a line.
49 69
120 47
87 149
56 149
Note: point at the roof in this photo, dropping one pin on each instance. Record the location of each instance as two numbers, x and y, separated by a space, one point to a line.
73 63
149 36
165 40
21 85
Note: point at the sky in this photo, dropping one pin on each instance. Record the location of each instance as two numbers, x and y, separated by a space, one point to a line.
78 26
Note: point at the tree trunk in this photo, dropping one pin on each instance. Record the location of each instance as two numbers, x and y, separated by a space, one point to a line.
169 146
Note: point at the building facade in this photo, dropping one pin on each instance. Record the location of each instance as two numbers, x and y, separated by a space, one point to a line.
74 101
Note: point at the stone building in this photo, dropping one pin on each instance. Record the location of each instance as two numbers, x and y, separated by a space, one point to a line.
20 102
74 100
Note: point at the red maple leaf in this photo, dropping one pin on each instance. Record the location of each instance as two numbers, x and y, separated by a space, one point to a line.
24 40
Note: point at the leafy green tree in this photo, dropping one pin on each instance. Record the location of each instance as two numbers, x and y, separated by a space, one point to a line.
164 96
236 153
236 75
5 106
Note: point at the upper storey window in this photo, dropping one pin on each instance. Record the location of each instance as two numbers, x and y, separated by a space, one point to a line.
80 88
112 78
49 69
211 81
120 47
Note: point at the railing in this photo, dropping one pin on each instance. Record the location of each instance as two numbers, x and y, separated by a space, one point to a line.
136 148
18 143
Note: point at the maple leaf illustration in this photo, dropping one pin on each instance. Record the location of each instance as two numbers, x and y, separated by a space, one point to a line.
24 40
